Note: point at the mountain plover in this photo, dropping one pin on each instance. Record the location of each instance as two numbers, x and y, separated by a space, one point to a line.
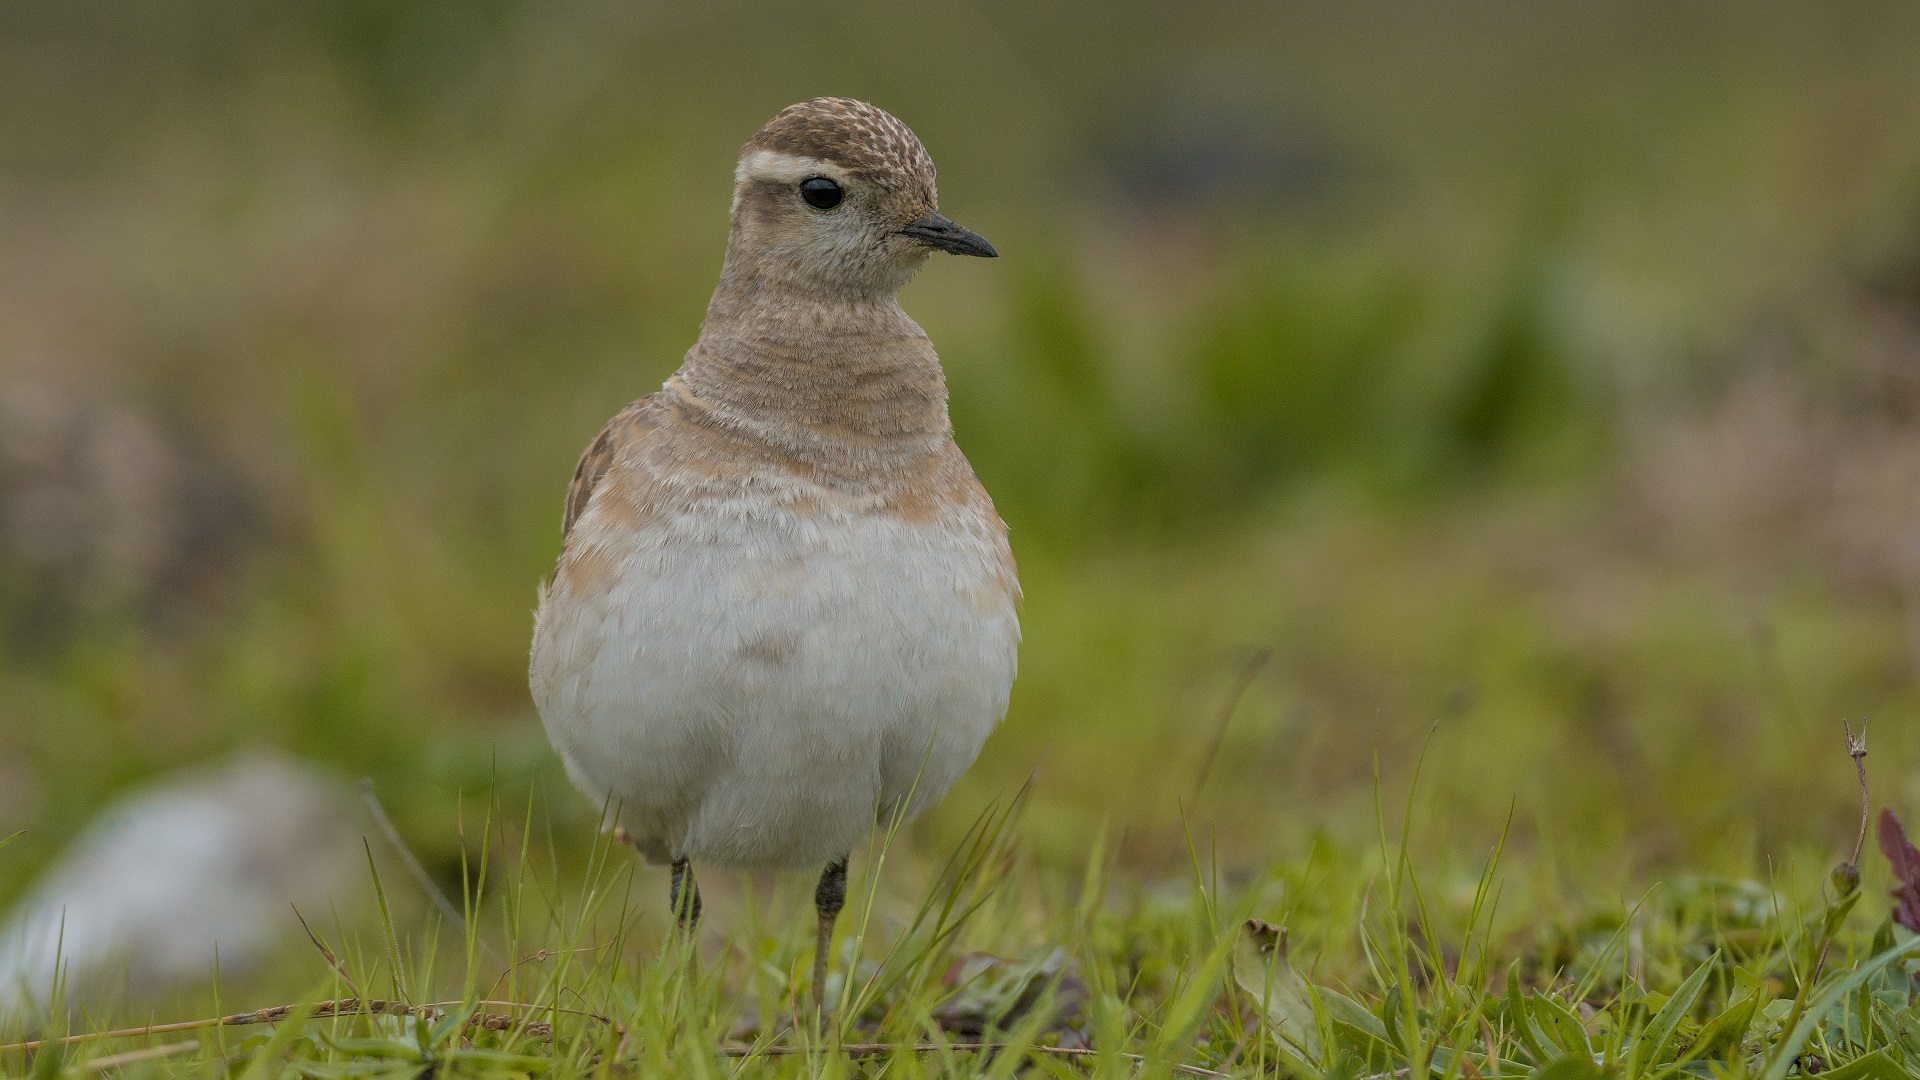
784 605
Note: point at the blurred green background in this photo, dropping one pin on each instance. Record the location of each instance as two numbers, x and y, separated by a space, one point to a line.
1546 372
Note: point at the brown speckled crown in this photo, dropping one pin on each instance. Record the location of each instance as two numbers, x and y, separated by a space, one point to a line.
868 142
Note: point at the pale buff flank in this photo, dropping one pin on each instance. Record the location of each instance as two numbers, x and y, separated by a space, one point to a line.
784 605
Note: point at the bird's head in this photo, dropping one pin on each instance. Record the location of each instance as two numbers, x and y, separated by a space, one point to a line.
838 196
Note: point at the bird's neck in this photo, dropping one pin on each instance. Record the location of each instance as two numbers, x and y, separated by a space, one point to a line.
808 368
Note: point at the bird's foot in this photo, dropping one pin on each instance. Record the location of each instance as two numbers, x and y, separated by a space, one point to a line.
684 893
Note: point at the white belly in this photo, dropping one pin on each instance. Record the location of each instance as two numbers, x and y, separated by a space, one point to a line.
751 688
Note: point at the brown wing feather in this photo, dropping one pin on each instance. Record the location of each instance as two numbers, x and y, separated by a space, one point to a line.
629 424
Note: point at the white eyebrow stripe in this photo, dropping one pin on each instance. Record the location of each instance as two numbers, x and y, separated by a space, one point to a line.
783 168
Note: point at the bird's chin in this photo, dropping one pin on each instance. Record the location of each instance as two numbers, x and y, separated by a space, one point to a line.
904 262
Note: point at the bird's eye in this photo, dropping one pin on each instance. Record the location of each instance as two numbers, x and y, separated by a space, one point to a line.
820 192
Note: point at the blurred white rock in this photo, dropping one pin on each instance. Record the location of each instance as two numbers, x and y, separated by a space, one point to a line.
206 857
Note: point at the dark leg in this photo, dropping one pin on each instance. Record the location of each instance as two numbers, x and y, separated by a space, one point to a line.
685 895
828 899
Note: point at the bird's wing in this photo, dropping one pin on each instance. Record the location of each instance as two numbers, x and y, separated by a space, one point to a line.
628 426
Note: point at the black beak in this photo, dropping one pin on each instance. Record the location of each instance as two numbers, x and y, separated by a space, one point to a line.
936 231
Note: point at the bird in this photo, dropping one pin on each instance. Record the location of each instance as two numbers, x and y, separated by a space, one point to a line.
785 608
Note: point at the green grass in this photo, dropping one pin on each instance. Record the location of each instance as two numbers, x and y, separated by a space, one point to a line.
1345 962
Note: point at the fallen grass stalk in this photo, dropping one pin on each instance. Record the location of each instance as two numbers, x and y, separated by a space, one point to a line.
336 1007
871 1049
130 1057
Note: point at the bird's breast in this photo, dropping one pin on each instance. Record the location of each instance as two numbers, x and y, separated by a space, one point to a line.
785 592
751 661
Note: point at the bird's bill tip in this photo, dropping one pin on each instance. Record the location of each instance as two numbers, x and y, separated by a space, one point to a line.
937 231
